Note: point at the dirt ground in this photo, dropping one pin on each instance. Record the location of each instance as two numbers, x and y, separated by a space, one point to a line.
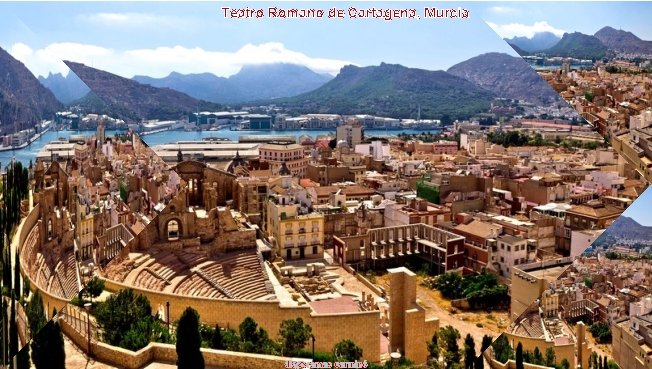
476 323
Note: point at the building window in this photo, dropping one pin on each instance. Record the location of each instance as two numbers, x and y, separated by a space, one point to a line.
173 230
314 250
49 229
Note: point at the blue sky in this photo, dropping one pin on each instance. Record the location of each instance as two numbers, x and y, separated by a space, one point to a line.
585 17
47 30
158 38
639 210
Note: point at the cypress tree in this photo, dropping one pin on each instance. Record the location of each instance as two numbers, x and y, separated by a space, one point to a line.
519 356
189 355
17 289
48 347
13 329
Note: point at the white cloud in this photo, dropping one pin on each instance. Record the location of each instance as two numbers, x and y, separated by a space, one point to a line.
503 10
135 20
161 61
518 29
50 58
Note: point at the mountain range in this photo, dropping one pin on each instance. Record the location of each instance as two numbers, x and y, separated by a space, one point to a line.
488 71
540 41
252 82
22 98
133 101
466 89
623 41
627 228
603 43
395 91
578 45
65 89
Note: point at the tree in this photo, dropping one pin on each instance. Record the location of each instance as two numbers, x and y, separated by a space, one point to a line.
13 329
35 314
593 360
5 331
22 360
48 347
537 357
519 356
95 287
502 350
347 350
249 330
217 341
604 362
565 364
601 332
588 282
294 335
433 348
550 356
448 337
449 284
17 289
486 342
189 354
126 320
469 352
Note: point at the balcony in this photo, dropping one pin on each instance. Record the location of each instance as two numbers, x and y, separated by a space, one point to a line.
302 230
315 229
289 231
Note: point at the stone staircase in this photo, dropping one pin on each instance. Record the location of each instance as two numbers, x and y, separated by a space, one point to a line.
214 283
158 275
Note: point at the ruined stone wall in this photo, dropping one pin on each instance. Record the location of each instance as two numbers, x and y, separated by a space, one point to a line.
529 344
328 329
166 353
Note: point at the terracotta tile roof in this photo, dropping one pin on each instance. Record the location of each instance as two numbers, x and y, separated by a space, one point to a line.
479 228
605 211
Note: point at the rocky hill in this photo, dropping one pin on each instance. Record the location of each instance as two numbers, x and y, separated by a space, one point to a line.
578 45
623 41
506 76
65 89
133 101
627 228
23 100
395 91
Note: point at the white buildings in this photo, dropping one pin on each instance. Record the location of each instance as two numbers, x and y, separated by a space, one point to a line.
376 149
642 120
510 251
603 181
351 133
